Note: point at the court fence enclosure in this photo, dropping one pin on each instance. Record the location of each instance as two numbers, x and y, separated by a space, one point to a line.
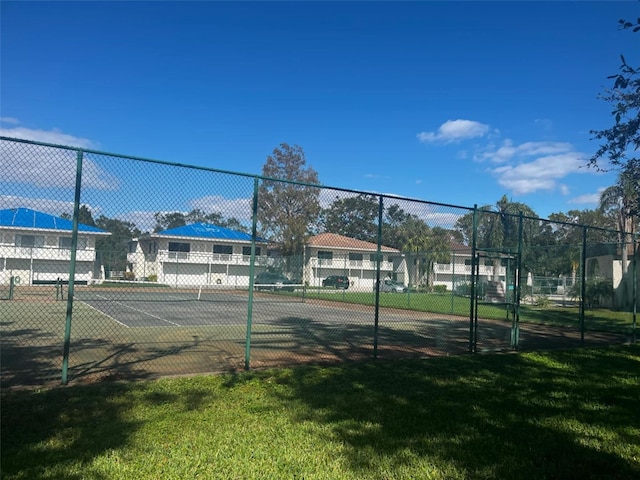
116 267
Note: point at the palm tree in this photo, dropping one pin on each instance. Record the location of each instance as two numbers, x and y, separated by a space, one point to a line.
498 227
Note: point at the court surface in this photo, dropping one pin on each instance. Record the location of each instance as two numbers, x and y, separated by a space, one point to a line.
228 308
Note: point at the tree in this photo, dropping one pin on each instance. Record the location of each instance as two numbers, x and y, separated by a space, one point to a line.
112 250
623 137
569 231
84 216
619 202
288 207
497 228
355 217
166 221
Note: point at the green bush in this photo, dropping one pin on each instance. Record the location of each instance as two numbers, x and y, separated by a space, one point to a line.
439 289
595 291
129 276
152 278
542 301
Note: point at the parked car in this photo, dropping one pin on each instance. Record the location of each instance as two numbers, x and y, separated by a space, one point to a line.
336 281
273 281
388 285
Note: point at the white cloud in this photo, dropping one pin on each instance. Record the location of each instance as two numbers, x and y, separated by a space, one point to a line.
46 205
52 207
45 166
144 220
507 150
10 120
54 136
454 131
587 198
545 124
239 208
540 174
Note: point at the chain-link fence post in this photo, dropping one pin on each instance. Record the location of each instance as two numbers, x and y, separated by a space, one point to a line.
378 260
515 329
635 286
252 265
583 282
473 319
72 269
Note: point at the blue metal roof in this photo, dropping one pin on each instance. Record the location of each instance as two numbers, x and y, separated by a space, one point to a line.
210 231
27 218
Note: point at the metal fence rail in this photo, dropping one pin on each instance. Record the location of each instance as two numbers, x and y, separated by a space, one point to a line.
120 267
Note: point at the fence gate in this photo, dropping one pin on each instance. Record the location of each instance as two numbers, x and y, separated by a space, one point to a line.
495 300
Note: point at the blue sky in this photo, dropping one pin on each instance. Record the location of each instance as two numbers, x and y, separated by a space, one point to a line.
456 103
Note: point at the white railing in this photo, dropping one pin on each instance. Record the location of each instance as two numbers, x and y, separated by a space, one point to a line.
346 263
44 253
198 257
483 270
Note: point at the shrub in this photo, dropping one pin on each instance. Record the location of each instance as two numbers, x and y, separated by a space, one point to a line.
129 276
595 291
439 289
542 301
152 278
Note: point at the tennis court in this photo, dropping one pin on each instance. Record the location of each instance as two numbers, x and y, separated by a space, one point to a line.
184 307
189 307
139 333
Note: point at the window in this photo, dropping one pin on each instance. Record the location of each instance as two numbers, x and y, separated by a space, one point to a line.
65 243
355 257
29 241
325 255
153 247
374 256
224 249
246 251
179 247
132 247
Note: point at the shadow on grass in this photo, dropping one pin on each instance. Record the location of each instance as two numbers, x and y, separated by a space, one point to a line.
66 428
513 416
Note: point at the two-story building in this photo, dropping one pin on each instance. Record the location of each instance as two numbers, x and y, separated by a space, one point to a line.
329 254
196 254
458 269
35 248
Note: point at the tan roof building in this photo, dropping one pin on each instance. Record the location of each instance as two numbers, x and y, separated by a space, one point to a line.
330 254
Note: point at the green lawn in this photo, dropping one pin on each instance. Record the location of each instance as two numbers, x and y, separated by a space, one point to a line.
600 319
562 414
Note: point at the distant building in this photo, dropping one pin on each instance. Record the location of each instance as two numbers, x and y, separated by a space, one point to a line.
35 247
457 270
196 254
329 254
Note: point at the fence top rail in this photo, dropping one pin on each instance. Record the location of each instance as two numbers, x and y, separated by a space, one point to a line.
303 184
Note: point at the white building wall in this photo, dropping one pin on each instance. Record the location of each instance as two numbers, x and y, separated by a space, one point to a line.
45 262
199 266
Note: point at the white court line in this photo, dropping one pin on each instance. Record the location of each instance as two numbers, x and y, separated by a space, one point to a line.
136 310
101 312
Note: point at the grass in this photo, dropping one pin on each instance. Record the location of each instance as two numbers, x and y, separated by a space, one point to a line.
561 414
596 319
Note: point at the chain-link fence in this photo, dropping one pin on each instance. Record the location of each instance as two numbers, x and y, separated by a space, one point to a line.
118 267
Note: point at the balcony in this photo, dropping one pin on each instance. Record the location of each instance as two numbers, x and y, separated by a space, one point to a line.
198 258
46 253
447 268
345 263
